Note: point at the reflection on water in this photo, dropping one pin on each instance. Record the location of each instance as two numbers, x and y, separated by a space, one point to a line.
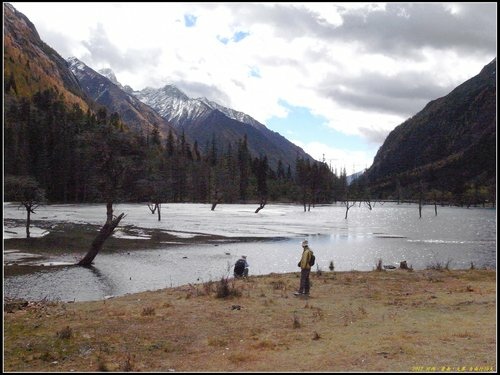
391 233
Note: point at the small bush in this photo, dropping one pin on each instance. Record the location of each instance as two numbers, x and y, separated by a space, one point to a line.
438 266
65 333
238 357
319 272
316 336
296 322
379 265
264 344
317 313
101 365
208 287
278 285
362 310
447 265
127 364
217 341
434 266
224 290
47 357
148 311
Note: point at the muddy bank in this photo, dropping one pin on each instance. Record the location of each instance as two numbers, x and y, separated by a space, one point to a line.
63 237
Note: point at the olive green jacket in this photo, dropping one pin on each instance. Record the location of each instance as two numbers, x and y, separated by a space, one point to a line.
306 257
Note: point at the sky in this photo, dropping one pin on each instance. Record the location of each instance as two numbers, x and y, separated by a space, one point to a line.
333 78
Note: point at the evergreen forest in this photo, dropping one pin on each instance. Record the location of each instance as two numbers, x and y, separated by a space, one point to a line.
76 156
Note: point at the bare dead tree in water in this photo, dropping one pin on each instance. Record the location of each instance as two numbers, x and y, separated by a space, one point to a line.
262 170
348 205
216 199
112 159
106 231
263 202
420 199
152 207
24 189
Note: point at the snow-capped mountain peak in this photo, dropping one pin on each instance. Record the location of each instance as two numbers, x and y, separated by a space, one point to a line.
75 64
175 106
172 104
231 113
109 74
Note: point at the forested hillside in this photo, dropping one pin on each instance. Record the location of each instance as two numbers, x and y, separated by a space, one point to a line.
30 65
448 149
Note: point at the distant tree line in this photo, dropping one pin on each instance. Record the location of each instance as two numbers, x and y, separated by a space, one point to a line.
77 156
418 187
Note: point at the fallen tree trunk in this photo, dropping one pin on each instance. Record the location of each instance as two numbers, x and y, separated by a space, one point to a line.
104 233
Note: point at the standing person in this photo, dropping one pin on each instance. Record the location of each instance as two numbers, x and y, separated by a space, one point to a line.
305 269
241 267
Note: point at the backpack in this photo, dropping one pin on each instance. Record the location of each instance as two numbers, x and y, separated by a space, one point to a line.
239 267
312 259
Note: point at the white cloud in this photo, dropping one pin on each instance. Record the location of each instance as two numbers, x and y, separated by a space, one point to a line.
342 61
337 158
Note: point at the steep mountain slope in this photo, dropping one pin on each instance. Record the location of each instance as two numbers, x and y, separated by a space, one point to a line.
138 116
30 65
451 142
202 119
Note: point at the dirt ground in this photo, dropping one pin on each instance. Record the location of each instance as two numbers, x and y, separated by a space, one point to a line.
382 321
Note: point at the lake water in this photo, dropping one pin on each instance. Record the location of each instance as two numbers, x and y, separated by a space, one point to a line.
391 232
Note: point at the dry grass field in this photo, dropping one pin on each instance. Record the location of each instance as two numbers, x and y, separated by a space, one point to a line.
398 320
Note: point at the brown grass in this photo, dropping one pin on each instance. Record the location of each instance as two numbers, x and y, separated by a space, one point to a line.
353 321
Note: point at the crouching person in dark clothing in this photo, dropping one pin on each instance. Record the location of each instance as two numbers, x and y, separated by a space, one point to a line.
241 267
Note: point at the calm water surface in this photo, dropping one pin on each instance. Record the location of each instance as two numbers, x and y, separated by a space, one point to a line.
390 232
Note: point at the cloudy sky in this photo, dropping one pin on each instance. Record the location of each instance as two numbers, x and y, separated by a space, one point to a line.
334 78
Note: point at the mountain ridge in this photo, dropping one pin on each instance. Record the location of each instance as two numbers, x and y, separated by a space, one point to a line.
30 65
198 118
202 119
138 116
451 139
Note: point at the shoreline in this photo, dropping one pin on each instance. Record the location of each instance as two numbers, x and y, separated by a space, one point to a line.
25 301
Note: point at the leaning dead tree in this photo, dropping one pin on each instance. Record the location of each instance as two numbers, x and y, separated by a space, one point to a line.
263 202
106 231
217 198
111 159
262 170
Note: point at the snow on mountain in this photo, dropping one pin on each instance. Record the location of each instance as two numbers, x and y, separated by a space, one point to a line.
199 119
172 104
109 74
231 113
76 66
175 106
105 90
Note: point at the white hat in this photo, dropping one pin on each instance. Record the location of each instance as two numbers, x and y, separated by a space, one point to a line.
305 243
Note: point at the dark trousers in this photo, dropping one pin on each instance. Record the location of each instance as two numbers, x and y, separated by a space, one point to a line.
304 280
244 274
